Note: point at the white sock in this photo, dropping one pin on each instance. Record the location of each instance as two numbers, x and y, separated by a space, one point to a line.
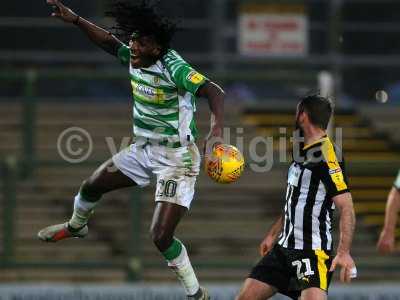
184 271
82 211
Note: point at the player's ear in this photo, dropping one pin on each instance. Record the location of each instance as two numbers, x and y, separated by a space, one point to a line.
302 117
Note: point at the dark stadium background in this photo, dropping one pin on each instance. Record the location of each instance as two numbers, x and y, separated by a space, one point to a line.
52 78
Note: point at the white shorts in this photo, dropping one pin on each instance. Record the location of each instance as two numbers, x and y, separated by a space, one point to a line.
176 170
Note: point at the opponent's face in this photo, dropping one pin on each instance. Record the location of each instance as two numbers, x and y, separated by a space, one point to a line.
144 51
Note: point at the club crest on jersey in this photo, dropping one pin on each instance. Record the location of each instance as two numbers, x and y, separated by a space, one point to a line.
156 80
195 77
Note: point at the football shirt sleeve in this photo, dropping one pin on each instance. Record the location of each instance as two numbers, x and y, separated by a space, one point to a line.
333 173
124 54
183 74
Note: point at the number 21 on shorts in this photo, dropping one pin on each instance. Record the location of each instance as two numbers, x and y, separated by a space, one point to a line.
299 263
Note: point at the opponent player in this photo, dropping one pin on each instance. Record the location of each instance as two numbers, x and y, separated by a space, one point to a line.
164 88
296 251
387 238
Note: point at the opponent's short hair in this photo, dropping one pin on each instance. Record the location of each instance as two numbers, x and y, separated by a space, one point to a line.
141 18
318 108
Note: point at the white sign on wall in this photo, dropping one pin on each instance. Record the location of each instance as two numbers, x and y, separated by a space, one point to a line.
266 32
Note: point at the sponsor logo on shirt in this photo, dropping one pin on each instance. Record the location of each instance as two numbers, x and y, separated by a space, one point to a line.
152 94
333 171
145 90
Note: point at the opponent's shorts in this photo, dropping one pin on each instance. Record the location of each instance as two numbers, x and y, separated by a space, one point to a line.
396 182
291 271
176 170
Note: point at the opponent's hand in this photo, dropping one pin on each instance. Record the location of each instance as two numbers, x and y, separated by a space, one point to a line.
266 245
62 12
385 243
214 137
348 268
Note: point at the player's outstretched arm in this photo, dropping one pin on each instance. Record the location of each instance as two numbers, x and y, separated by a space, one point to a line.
271 236
215 95
96 34
387 236
344 203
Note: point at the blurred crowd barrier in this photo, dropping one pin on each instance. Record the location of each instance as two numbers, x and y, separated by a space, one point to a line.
172 292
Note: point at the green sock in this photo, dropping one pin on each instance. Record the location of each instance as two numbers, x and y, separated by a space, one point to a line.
173 251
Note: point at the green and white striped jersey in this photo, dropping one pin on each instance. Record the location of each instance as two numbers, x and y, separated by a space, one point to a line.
164 98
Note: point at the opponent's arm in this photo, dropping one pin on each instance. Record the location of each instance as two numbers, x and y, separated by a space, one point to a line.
271 236
215 96
96 34
387 236
347 223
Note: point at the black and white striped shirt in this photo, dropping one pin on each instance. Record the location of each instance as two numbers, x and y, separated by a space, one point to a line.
313 180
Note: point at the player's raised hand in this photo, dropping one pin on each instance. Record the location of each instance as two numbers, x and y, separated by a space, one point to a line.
385 243
62 12
267 244
348 268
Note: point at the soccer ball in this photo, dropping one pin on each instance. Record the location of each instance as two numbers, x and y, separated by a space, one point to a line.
225 165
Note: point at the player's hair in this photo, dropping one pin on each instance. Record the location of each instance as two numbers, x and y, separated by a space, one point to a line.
318 108
141 18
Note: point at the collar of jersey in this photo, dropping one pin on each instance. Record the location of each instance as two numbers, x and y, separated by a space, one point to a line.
317 142
157 67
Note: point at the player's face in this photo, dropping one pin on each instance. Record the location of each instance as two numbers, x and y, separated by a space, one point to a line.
144 51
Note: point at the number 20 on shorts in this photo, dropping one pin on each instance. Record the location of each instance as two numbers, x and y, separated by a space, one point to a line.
167 188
